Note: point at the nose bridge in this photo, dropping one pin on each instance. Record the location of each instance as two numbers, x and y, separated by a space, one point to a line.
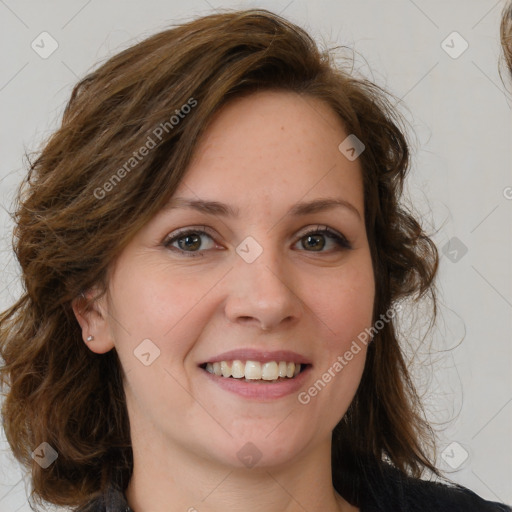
260 289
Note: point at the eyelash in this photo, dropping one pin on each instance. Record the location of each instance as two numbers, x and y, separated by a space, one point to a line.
340 240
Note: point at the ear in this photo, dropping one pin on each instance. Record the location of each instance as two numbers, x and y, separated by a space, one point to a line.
93 320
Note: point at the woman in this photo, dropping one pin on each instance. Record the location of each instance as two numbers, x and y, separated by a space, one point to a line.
213 252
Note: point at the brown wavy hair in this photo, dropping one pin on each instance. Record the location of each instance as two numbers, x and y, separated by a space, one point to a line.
67 237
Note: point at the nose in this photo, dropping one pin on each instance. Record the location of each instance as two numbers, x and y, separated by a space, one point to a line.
261 293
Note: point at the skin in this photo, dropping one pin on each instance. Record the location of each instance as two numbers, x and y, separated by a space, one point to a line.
262 154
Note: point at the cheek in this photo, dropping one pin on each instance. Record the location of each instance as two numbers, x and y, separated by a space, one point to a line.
153 303
345 307
345 303
156 304
153 297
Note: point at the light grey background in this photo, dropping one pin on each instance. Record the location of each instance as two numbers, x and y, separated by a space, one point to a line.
461 179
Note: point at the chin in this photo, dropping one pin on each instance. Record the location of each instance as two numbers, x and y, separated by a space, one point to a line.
262 449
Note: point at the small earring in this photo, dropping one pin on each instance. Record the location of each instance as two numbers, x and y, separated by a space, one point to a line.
90 338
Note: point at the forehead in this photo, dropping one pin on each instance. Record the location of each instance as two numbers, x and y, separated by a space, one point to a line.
272 144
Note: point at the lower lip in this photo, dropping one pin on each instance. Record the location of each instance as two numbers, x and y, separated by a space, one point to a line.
259 390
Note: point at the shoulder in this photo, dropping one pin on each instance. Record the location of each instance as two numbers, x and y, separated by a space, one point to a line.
112 500
423 495
402 493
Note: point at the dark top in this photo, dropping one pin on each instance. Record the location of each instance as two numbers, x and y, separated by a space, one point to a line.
400 494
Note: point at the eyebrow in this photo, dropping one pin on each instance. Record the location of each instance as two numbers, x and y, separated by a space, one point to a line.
225 210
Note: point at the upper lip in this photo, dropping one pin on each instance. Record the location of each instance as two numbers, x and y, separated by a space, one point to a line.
249 354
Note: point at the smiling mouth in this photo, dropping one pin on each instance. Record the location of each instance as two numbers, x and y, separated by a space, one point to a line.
255 371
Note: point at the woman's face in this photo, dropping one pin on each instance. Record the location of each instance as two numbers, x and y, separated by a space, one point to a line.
254 283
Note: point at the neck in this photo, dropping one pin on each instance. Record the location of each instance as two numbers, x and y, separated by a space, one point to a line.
174 479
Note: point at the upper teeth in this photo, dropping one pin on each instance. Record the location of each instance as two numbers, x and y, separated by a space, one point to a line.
255 370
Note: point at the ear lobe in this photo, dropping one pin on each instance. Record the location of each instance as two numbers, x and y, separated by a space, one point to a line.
93 322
